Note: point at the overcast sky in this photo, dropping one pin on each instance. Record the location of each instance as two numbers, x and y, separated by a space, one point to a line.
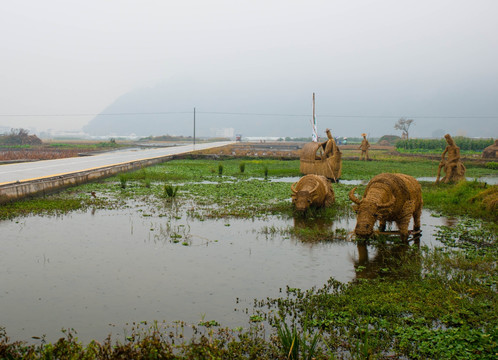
363 58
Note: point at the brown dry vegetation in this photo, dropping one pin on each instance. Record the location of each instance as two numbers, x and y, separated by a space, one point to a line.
277 149
38 153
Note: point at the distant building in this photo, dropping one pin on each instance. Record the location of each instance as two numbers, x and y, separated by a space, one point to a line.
224 133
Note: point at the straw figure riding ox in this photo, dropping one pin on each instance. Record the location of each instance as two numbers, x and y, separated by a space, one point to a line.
388 198
312 191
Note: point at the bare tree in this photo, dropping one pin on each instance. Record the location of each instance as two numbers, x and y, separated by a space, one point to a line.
403 125
20 137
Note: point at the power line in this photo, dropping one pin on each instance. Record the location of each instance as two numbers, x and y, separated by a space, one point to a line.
101 114
259 114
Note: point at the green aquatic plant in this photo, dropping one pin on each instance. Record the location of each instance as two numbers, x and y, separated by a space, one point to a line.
242 167
170 191
220 169
470 235
297 344
123 179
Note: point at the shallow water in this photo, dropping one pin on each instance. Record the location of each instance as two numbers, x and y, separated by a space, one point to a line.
87 270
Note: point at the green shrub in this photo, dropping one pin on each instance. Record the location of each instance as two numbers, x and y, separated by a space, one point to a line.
463 143
492 165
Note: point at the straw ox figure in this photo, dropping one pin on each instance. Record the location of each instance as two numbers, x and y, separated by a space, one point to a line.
388 198
312 191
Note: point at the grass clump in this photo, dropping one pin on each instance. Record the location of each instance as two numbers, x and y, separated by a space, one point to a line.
123 179
492 165
467 198
170 191
297 344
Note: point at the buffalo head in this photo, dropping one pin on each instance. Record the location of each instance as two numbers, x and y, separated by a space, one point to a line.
368 211
303 199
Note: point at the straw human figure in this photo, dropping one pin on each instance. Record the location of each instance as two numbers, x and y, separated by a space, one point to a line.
452 166
365 145
330 147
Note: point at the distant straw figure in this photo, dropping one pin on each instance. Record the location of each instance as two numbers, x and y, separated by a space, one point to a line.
453 167
330 147
365 145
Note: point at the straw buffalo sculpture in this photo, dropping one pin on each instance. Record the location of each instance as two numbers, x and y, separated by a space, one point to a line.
312 191
388 198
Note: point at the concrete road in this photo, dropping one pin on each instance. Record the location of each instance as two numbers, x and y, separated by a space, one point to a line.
23 172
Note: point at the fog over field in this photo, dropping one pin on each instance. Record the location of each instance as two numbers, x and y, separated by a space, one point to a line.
122 67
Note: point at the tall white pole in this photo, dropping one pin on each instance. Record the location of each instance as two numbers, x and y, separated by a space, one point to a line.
314 135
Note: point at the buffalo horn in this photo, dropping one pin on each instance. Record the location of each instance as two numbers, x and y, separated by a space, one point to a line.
353 197
314 192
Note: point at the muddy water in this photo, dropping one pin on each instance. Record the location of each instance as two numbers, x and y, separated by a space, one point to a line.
98 270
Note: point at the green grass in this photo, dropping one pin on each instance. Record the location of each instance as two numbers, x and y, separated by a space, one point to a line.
199 170
467 198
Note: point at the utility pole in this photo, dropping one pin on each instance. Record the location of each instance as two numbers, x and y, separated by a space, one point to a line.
194 125
314 134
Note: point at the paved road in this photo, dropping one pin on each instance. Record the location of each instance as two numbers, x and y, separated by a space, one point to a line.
48 168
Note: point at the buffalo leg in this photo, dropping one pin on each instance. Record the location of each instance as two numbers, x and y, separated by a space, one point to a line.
403 228
416 218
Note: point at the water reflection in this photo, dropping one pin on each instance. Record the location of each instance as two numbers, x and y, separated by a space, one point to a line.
316 225
388 260
450 221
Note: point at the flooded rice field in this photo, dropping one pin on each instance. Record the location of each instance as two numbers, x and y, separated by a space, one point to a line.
98 270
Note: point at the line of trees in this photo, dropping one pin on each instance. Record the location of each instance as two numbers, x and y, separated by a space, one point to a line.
464 143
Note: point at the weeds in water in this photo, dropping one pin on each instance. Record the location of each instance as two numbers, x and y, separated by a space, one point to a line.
170 191
220 169
470 235
147 183
242 167
265 170
297 345
122 181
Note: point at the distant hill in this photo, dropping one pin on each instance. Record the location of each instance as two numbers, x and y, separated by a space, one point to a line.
245 107
167 109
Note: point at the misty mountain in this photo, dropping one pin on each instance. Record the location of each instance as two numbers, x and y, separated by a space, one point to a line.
283 107
168 109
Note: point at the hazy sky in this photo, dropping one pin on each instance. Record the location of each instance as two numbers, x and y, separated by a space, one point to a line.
362 58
